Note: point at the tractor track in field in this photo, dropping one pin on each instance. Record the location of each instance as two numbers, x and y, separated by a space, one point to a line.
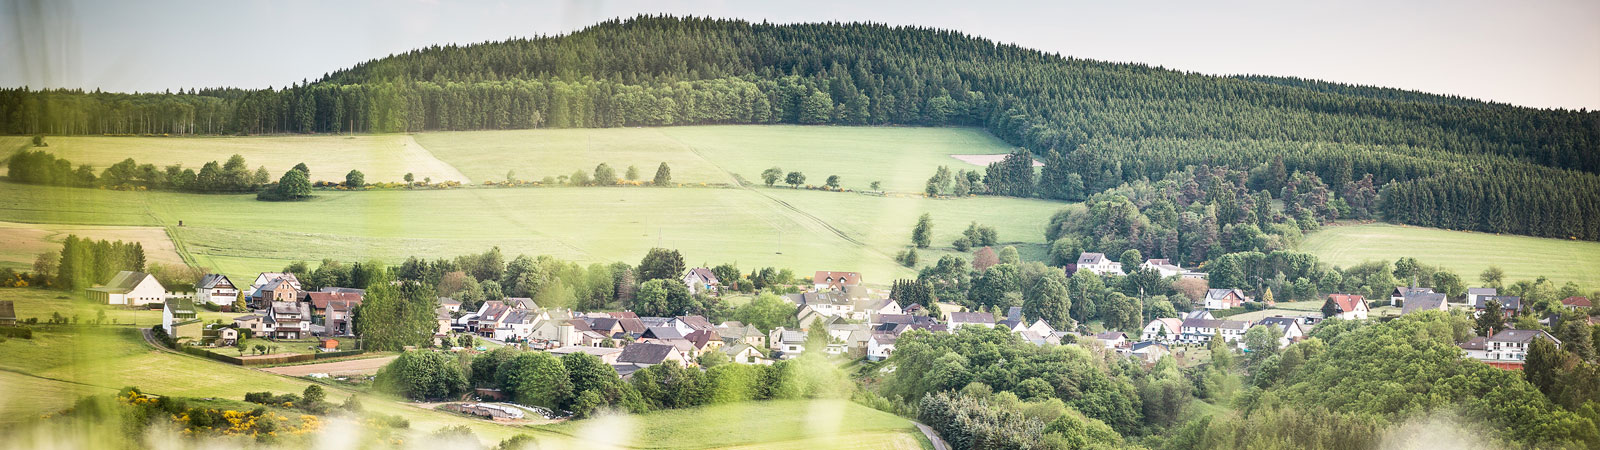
808 216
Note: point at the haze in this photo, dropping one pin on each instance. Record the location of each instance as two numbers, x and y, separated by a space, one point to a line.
1539 54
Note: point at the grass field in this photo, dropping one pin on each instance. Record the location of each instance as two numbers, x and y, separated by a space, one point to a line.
40 303
901 157
1466 253
770 424
20 243
801 230
379 157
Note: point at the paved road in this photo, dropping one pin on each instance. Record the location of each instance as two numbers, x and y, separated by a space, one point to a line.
938 444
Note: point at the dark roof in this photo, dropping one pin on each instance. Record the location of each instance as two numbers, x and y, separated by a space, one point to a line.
645 353
181 307
212 280
1422 301
663 333
1281 322
631 325
1090 258
885 339
602 323
1476 343
1510 302
1111 335
701 337
1014 313
1521 336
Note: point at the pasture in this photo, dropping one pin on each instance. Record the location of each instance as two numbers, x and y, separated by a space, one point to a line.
797 229
901 157
764 424
43 304
20 243
1464 252
379 157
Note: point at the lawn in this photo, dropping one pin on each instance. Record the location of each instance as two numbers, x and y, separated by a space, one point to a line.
67 365
41 303
20 243
801 230
330 157
901 157
768 424
1466 253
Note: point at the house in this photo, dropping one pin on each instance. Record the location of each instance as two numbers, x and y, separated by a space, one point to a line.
336 310
1199 331
740 333
1348 306
647 354
825 280
218 335
1098 264
695 323
1576 303
450 304
216 289
1292 328
1225 298
746 354
1167 269
1475 295
701 280
1164 329
488 317
1013 321
255 323
180 319
130 288
1398 295
880 346
960 319
866 309
1423 301
1112 339
8 313
1149 352
277 290
441 317
826 303
1197 314
788 343
1507 349
1509 304
514 325
607 355
289 320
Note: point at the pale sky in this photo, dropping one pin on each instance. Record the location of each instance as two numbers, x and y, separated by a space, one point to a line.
1542 53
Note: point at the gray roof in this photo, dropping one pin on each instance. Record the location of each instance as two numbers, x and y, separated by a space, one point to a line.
123 282
1215 323
1521 336
1422 301
663 333
645 353
7 310
1510 302
1482 291
181 307
211 280
705 274
1090 258
971 317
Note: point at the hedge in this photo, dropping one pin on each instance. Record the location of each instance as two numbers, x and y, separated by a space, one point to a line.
337 354
16 332
247 362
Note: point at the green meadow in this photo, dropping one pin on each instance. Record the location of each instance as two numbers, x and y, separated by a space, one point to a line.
386 157
797 229
902 158
779 424
1467 253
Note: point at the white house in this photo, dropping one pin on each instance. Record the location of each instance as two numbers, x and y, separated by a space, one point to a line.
1507 346
215 289
1349 307
1164 329
1224 298
1113 339
865 310
1291 327
960 319
1166 268
880 346
790 342
746 354
289 320
179 313
1099 264
1399 294
130 288
268 277
516 324
701 280
1197 331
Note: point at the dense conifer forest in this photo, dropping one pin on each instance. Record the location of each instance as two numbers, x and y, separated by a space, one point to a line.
1440 161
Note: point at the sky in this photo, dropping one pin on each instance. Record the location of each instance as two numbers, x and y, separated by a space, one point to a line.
1542 54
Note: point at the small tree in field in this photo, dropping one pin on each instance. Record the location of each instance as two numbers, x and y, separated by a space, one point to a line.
663 175
771 176
355 179
922 235
795 179
876 185
833 182
632 174
413 178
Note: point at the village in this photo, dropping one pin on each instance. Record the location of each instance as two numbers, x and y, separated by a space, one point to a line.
835 313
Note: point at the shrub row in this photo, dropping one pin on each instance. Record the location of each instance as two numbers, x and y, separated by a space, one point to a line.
337 354
253 361
16 332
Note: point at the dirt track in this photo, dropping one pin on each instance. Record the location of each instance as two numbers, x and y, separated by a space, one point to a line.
365 366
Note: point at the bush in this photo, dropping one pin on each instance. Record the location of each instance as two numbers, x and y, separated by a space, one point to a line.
16 332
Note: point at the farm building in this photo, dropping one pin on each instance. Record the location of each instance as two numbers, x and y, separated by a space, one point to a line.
130 288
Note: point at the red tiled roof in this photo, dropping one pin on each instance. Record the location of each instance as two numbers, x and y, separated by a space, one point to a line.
1580 302
320 300
1347 302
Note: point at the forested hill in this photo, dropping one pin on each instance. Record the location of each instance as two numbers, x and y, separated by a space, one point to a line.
1117 122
